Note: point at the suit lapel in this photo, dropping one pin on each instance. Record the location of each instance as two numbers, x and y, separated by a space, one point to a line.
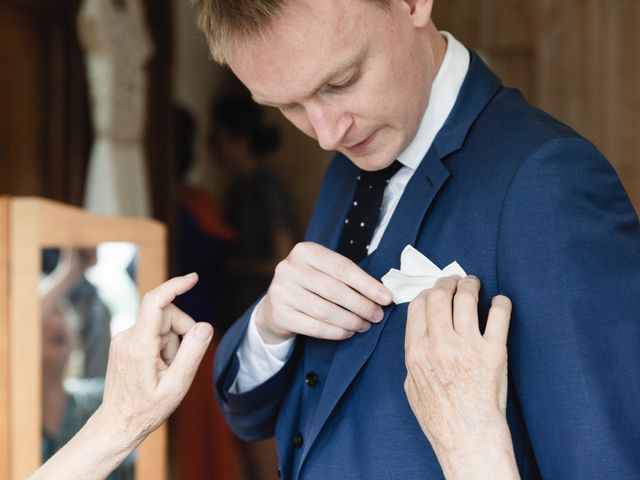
478 89
403 229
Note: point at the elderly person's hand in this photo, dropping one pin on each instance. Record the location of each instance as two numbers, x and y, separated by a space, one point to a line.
457 379
148 375
149 370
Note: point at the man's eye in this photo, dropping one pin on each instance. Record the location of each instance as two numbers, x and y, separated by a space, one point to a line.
342 85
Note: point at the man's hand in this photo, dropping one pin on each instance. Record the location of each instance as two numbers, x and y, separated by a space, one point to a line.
149 370
457 378
319 293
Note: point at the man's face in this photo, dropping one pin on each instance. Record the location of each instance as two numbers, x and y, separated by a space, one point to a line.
349 73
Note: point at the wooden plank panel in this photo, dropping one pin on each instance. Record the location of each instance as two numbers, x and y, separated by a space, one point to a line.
25 341
4 340
588 76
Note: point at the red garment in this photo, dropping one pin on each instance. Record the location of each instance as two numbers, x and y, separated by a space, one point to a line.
202 447
208 214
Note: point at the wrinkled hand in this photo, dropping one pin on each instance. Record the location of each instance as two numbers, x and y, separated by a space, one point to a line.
457 378
149 370
319 293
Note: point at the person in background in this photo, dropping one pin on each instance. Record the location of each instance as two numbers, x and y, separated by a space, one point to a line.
259 209
65 278
202 235
201 444
67 402
258 205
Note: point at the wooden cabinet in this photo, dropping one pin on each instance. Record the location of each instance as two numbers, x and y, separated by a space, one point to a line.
27 226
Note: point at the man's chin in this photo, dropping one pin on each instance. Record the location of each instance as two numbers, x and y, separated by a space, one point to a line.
371 162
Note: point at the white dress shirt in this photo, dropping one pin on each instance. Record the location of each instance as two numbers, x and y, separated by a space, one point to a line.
258 361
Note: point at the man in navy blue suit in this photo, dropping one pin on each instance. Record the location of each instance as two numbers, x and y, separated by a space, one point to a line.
465 170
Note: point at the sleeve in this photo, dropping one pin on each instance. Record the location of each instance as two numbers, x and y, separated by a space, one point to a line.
569 257
257 361
252 414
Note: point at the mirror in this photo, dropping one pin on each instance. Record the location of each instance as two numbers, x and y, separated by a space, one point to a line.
88 295
69 281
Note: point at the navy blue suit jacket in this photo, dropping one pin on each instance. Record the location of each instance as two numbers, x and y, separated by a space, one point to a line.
536 212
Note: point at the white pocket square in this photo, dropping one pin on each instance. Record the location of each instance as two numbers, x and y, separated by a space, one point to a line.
416 273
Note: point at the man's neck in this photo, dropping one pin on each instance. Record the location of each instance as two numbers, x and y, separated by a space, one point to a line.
437 48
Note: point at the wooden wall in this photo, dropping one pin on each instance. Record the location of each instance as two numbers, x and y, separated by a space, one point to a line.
576 59
44 124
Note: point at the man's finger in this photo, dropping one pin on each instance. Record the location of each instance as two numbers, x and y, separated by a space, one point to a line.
180 374
465 307
340 294
150 318
326 312
439 307
303 324
498 320
347 272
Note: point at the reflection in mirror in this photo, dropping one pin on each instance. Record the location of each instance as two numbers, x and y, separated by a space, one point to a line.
88 295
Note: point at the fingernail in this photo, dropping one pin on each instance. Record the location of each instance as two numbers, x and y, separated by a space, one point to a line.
379 315
366 327
191 275
203 331
385 297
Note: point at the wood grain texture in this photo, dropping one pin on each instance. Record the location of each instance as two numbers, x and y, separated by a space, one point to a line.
35 224
4 340
576 59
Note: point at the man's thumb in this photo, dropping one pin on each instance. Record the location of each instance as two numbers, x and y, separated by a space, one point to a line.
180 374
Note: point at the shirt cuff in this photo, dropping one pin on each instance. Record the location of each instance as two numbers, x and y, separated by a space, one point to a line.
258 361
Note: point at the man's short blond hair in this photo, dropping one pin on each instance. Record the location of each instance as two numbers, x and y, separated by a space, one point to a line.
226 22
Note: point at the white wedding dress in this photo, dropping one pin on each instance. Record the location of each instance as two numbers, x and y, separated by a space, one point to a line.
117 46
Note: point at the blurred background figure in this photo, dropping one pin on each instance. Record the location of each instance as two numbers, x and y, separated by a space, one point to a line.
258 205
201 444
68 397
65 280
202 235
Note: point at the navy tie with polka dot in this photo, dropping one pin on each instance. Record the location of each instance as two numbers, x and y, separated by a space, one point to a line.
362 218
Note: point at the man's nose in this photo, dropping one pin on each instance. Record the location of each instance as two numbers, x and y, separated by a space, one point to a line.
330 124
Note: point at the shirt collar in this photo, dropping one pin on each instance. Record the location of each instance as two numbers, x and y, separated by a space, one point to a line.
444 92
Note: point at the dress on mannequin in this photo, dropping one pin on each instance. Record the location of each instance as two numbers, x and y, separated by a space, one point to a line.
117 46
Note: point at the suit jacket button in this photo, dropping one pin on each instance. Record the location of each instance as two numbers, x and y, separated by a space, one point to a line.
297 440
311 380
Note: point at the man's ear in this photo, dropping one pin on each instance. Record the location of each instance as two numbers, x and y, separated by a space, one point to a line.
420 11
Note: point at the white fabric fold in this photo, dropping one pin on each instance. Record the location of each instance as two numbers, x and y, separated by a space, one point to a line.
416 274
